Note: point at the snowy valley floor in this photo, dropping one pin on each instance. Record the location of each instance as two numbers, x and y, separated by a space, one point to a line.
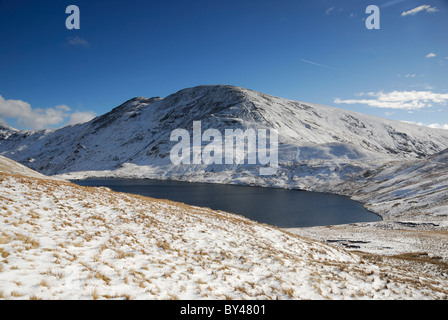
422 246
62 241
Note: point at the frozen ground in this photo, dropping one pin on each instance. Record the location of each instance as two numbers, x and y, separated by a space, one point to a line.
62 241
420 244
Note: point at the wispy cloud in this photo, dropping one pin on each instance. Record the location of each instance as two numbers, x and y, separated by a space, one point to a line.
405 100
431 55
318 64
439 126
422 86
40 118
77 41
329 10
391 3
433 125
421 8
408 75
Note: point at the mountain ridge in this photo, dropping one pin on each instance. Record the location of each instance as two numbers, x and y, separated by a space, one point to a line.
138 131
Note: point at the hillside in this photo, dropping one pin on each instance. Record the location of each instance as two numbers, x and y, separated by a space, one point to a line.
62 241
11 167
405 189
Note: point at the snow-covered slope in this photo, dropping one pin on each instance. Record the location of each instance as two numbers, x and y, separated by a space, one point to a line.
6 131
408 189
62 241
138 133
12 167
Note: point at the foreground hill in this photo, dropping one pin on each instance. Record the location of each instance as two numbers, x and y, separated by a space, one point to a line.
62 241
11 167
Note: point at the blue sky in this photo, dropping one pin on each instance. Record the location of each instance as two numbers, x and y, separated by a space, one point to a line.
314 51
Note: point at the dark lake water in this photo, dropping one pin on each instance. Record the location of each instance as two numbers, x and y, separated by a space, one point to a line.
277 207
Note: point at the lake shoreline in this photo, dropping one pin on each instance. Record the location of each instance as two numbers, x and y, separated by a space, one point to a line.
279 207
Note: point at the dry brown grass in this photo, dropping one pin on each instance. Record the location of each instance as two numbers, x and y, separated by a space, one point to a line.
124 255
95 295
28 241
16 294
3 253
421 257
44 283
100 276
415 257
4 239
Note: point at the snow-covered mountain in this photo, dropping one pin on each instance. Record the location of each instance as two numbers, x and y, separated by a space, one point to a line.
6 131
134 138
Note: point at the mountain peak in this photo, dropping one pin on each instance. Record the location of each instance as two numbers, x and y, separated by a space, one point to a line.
4 126
137 100
6 131
210 90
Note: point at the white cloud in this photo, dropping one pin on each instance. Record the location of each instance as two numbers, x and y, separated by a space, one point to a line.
80 117
13 108
38 118
434 125
329 10
439 126
413 122
431 55
405 100
391 3
77 41
421 8
317 64
44 118
422 86
408 75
